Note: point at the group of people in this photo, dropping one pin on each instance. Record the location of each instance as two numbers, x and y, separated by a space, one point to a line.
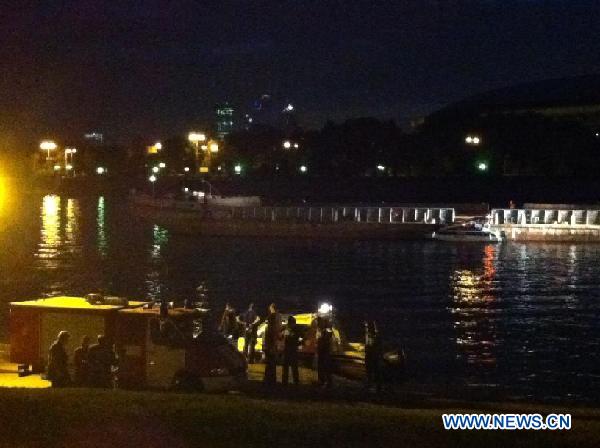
279 342
93 363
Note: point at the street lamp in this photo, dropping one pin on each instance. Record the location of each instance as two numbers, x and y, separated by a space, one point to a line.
48 145
303 168
482 166
214 147
162 165
472 140
287 144
152 180
69 153
381 167
195 138
186 169
155 169
238 169
100 170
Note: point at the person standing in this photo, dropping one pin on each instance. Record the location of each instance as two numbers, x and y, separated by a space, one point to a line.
58 370
101 358
324 360
80 359
270 341
290 351
228 323
373 355
250 321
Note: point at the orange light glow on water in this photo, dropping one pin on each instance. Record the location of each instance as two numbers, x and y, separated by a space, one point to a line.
50 231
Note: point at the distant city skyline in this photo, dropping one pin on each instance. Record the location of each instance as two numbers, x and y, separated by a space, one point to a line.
159 68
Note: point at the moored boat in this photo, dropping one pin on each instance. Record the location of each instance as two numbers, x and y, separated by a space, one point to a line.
471 231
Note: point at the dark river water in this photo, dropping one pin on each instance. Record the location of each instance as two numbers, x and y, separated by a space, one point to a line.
517 320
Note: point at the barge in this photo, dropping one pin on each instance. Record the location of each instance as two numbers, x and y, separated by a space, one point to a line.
547 224
329 221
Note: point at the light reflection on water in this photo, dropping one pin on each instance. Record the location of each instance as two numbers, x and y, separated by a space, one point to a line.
50 244
520 319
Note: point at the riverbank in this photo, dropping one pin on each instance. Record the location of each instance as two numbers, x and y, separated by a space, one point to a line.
99 418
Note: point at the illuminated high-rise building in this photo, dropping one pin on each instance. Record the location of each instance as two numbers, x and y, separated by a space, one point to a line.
224 120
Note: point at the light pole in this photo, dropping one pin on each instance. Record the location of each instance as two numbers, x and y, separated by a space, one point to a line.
195 138
48 145
69 154
152 180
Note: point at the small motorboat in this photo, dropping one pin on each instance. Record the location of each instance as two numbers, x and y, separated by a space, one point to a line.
471 231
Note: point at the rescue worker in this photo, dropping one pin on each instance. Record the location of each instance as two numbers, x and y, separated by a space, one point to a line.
249 321
101 358
270 340
228 324
80 359
373 355
324 360
58 371
290 351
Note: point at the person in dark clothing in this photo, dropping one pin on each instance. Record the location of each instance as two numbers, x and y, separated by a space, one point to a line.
101 358
290 351
228 324
373 355
270 340
324 360
80 359
58 371
249 321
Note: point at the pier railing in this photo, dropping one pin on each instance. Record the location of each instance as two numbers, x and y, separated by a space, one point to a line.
321 214
546 217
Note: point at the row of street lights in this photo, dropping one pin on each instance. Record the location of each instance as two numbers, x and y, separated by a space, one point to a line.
69 153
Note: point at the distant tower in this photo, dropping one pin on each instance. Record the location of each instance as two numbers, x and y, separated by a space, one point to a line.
224 120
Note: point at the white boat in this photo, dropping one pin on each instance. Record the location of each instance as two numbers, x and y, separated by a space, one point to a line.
468 232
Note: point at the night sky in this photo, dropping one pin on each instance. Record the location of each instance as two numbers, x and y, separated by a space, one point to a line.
156 68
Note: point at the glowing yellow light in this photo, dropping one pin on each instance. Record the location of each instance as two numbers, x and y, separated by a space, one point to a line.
69 167
196 137
204 169
204 147
100 170
50 240
56 167
214 147
151 149
48 145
